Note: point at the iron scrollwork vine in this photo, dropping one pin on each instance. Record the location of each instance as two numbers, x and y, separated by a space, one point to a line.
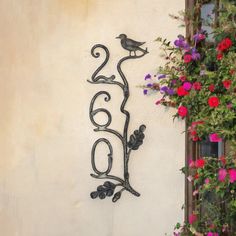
108 188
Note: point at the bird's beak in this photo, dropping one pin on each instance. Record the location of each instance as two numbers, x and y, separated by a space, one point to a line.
118 37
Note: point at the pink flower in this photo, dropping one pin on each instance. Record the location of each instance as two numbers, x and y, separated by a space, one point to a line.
207 181
192 218
191 164
222 173
232 175
214 138
176 233
225 228
229 105
187 58
201 36
195 192
190 178
160 101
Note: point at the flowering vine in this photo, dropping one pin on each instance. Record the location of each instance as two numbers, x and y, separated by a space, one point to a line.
199 81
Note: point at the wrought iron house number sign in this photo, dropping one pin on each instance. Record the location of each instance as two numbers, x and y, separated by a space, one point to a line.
114 185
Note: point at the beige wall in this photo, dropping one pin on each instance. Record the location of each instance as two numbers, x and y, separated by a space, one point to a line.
46 136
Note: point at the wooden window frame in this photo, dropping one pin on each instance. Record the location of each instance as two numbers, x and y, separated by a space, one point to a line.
192 149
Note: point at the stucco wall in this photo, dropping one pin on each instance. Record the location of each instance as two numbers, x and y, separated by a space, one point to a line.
46 135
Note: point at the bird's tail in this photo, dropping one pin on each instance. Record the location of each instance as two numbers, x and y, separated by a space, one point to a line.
144 51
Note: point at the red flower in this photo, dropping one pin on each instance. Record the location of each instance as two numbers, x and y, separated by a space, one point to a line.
212 226
227 43
187 58
195 138
196 176
200 163
224 44
219 56
182 78
211 87
182 111
193 132
227 83
213 101
220 47
181 91
195 123
223 160
197 86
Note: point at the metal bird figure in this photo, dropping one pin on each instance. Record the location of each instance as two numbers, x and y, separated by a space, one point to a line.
131 45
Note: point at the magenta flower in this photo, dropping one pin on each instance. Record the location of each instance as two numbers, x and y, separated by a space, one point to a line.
187 86
214 138
192 218
207 181
232 175
212 234
222 173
